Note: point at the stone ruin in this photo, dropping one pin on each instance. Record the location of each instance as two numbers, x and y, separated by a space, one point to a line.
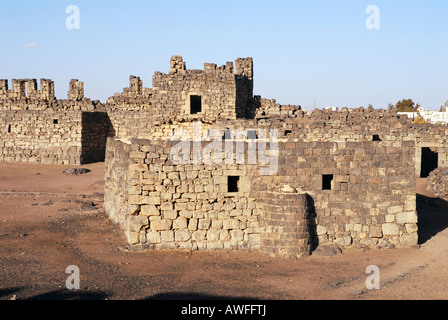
287 181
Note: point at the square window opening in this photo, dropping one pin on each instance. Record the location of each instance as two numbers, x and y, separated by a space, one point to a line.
55 121
232 183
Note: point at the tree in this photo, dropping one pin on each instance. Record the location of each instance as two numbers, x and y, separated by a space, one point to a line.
444 108
406 105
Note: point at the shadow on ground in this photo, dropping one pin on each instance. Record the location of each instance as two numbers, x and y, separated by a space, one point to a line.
8 293
192 296
432 217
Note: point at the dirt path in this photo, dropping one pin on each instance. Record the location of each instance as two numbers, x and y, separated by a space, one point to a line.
49 221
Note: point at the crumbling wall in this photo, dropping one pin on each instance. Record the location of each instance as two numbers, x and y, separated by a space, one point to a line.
116 191
223 93
438 183
263 107
43 136
370 199
36 127
370 196
184 206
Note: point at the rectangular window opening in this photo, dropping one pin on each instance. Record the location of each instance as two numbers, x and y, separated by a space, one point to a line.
326 181
9 128
232 183
430 162
195 104
376 138
287 132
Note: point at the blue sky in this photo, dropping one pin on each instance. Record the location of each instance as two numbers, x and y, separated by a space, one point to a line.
304 51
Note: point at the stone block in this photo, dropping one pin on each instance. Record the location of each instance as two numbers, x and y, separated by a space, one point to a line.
375 232
411 227
199 235
136 223
149 210
395 209
182 235
408 240
193 224
167 236
224 235
204 224
321 230
166 206
245 184
159 225
390 229
180 223
132 237
212 235
254 239
407 217
170 214
237 235
215 246
153 237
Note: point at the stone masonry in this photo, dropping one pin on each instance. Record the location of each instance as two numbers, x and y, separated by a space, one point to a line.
340 177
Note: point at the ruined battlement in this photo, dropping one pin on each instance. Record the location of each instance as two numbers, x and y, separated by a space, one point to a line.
345 177
133 98
25 95
76 91
27 89
214 91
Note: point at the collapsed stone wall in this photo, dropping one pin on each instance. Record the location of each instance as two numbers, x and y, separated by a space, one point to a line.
270 108
438 183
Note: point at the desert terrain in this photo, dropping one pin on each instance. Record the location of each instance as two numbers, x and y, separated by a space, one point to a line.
49 220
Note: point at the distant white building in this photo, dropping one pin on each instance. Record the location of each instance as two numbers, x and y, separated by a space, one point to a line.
429 116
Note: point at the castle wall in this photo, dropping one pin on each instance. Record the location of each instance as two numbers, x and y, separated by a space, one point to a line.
188 206
179 206
43 136
36 127
345 177
224 94
371 195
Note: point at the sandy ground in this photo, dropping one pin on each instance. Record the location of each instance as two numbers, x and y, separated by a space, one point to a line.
49 221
